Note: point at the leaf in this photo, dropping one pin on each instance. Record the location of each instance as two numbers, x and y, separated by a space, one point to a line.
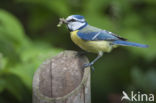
32 57
8 50
11 29
12 36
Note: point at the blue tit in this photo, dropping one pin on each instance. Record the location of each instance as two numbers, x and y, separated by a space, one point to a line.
93 39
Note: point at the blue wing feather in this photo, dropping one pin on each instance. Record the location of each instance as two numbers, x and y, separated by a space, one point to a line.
91 33
95 36
126 43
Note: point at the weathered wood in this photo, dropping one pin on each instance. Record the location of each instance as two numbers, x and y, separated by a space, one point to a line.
62 80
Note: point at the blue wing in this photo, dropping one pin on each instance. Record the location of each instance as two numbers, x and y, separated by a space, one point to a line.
91 33
94 34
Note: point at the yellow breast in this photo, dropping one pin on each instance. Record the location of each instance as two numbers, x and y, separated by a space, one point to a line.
90 46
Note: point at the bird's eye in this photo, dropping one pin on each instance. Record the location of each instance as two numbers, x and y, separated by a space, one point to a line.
72 20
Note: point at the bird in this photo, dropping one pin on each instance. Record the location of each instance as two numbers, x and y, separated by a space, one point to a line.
93 39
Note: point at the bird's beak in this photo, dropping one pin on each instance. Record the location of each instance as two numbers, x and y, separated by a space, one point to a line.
63 20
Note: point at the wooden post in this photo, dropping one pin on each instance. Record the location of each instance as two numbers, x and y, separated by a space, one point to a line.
62 80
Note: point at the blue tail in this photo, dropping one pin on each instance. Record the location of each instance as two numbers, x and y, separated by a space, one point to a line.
126 43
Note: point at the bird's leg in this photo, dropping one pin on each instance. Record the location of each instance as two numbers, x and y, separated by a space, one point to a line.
91 63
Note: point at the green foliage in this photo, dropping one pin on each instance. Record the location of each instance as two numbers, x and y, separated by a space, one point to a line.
28 36
19 58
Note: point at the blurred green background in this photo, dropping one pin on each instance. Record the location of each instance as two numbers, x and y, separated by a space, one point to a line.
28 36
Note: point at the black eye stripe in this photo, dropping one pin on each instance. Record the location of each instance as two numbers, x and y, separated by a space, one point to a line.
72 20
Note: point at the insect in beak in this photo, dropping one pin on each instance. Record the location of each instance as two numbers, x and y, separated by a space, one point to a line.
62 21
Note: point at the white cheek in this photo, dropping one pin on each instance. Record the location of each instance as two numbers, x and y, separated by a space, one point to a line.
75 25
69 26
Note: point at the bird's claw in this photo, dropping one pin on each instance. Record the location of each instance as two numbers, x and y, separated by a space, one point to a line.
89 65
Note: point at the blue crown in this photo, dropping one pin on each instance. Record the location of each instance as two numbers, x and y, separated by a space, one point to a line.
78 16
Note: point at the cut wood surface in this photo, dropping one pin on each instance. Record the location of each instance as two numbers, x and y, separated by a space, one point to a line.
62 79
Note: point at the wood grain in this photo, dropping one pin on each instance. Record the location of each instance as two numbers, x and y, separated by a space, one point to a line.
62 79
